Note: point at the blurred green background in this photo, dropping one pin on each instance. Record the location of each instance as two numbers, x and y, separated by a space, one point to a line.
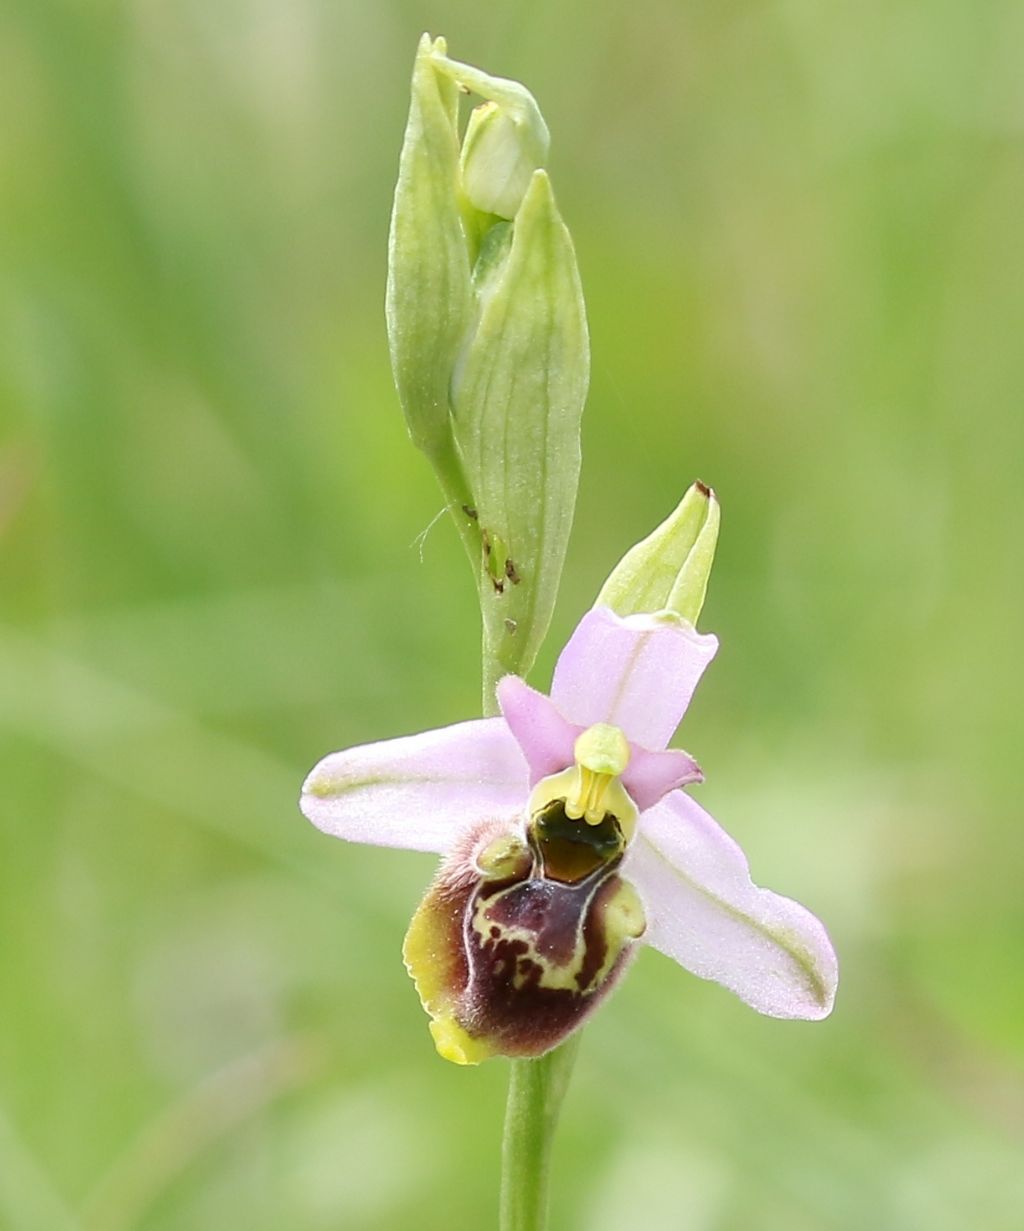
799 230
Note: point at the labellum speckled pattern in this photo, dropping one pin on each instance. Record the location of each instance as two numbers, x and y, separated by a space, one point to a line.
520 937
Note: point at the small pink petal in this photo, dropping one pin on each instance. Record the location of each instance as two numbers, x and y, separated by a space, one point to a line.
636 672
651 775
419 792
544 736
704 911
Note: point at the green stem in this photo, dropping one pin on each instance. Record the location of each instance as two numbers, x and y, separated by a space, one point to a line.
459 500
493 670
536 1089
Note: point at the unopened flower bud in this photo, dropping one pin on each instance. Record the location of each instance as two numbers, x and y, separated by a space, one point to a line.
505 142
669 570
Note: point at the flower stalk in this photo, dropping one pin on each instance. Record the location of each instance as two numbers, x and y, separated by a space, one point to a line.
536 1090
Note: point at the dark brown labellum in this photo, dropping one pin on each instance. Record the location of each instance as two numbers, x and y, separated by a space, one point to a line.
519 958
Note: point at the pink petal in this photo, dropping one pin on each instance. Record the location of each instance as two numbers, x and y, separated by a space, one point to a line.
421 791
651 775
704 911
547 740
637 673
544 736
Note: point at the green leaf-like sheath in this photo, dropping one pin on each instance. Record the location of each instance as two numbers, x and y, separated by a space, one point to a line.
517 399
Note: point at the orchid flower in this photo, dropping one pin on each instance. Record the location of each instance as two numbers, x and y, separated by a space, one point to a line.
568 839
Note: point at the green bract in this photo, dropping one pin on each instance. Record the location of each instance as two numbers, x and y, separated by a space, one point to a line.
489 338
429 301
669 570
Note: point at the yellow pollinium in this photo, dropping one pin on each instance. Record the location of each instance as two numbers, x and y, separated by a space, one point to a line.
592 788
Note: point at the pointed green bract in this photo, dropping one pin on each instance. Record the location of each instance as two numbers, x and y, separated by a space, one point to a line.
429 300
669 570
518 397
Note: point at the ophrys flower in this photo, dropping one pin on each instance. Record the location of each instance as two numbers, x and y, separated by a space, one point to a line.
568 838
